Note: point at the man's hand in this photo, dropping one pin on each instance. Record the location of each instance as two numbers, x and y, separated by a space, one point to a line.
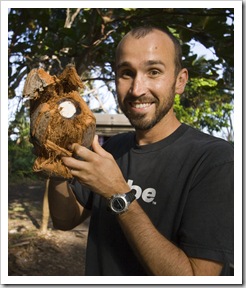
97 169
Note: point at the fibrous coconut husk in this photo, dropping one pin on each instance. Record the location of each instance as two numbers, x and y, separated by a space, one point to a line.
59 117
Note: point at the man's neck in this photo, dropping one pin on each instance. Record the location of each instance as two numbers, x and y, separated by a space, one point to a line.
161 130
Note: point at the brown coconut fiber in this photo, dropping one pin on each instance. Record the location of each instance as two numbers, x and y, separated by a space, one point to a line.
59 117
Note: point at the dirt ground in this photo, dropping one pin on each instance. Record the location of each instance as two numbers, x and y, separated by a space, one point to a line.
33 253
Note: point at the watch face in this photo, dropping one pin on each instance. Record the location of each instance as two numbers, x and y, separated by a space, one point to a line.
118 204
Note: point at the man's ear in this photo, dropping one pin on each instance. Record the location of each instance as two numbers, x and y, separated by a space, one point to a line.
181 81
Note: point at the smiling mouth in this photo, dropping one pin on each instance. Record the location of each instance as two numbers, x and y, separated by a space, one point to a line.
140 105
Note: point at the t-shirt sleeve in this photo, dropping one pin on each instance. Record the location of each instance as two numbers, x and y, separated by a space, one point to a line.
208 220
82 194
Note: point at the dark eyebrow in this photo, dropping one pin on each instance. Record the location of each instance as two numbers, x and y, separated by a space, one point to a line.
147 63
123 64
154 62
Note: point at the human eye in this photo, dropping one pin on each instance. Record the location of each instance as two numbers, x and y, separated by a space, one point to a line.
126 73
154 73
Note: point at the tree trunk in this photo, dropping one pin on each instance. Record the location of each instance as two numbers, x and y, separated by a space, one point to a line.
46 211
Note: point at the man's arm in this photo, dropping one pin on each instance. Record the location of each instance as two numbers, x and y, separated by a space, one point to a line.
158 255
65 210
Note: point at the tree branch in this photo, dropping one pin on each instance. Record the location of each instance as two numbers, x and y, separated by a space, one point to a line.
70 17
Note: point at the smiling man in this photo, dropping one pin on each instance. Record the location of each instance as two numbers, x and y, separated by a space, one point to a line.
160 198
148 75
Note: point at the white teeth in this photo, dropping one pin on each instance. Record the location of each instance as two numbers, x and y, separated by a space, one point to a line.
140 105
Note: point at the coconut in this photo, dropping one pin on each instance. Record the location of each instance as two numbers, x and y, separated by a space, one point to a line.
59 117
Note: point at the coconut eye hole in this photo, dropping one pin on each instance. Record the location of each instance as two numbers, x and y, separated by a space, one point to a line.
67 109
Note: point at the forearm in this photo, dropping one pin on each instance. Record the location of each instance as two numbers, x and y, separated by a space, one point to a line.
158 255
64 209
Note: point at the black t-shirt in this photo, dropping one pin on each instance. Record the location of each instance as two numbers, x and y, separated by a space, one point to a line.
184 183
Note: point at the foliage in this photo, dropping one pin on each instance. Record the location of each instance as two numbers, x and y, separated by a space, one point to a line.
207 111
19 159
51 38
19 149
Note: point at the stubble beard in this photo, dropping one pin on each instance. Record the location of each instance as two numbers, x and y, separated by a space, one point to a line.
141 121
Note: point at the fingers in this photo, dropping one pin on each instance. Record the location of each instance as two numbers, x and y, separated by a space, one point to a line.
97 148
88 155
95 168
85 160
83 154
73 163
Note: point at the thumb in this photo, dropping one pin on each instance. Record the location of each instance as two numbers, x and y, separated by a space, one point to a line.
97 147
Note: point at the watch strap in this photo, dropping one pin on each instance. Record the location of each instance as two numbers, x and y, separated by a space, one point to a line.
131 195
129 198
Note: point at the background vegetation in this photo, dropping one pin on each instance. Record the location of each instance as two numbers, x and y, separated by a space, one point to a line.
52 38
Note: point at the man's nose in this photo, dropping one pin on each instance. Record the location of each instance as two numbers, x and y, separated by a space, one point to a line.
138 87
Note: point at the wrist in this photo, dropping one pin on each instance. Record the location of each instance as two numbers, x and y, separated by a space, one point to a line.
120 202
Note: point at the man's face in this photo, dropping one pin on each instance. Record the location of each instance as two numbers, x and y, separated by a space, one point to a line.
145 78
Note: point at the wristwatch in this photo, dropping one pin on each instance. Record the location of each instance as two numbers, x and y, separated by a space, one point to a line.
119 203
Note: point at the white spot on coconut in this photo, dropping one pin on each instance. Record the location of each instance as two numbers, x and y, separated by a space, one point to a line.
67 109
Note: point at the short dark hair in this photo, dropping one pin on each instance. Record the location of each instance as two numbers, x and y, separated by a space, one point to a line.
142 31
